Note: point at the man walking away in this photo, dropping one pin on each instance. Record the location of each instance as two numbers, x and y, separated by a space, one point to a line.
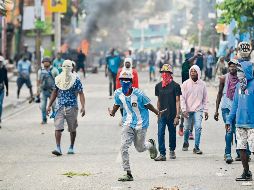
81 62
3 82
193 104
168 93
113 62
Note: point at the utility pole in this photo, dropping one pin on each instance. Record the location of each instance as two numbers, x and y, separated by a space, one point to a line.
199 18
38 27
19 33
57 32
3 45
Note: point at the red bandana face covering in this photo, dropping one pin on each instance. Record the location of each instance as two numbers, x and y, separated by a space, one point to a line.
166 79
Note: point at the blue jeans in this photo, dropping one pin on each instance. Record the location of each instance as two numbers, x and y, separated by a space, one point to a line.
44 100
196 118
1 103
162 122
230 134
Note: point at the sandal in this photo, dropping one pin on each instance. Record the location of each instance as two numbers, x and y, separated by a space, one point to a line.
125 178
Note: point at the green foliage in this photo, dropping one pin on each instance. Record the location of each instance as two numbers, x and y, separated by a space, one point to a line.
242 11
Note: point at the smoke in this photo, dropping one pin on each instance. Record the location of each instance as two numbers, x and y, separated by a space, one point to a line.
115 17
106 14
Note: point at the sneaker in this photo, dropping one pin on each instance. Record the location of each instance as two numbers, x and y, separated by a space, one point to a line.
160 158
185 146
172 155
197 151
228 159
180 132
70 151
191 137
31 100
153 150
125 177
245 176
57 152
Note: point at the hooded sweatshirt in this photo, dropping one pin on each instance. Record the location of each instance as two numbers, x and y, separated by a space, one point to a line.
194 94
134 74
243 103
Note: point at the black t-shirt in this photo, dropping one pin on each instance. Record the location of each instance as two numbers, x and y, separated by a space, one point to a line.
167 98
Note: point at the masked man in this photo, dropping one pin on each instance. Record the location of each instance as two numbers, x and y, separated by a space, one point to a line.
135 106
67 87
168 93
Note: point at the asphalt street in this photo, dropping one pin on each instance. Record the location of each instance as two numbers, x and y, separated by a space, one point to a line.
26 161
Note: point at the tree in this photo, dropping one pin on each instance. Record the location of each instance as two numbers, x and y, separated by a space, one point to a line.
241 11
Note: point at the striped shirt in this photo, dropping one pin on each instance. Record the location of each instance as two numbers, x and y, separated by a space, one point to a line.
135 114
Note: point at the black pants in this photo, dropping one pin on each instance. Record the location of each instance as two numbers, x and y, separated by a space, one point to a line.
112 82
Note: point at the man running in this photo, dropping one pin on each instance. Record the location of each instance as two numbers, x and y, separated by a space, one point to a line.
24 71
135 106
67 86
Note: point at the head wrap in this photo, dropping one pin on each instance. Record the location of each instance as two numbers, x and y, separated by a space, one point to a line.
66 79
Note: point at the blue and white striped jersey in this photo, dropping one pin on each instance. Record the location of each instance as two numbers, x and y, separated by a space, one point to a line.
135 114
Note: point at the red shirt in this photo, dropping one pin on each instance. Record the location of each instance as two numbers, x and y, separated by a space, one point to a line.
134 80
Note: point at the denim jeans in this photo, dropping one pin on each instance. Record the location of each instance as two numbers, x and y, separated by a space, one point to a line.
44 100
1 103
196 118
230 134
162 122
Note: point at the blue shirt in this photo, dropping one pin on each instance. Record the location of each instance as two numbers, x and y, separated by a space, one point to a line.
68 98
113 63
57 63
135 114
24 67
242 107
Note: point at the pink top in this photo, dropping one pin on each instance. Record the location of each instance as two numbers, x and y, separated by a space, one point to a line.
194 94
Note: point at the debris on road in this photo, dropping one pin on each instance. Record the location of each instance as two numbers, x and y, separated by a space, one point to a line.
165 188
71 174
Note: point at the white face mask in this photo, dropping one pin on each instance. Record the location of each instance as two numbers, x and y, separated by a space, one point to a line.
67 69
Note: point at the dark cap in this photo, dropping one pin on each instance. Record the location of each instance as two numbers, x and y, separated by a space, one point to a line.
46 59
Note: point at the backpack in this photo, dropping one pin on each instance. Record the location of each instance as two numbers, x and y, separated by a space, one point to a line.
47 80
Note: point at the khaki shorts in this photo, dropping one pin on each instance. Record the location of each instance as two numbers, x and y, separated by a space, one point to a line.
244 137
70 114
